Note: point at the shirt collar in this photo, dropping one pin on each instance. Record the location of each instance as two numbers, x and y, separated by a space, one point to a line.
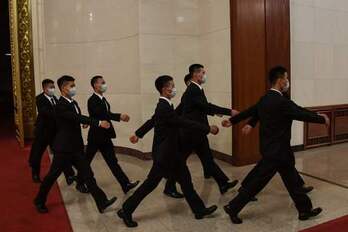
48 97
169 101
199 86
100 96
69 100
276 90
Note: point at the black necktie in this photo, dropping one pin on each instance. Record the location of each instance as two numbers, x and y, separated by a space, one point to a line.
53 102
74 103
106 103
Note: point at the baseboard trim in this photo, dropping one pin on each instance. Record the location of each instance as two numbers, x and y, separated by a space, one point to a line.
217 154
298 148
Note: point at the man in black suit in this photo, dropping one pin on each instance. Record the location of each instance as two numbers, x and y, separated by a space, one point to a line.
196 107
246 130
45 130
168 161
170 187
69 148
100 138
276 114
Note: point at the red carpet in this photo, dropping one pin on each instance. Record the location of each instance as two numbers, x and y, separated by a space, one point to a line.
336 225
17 192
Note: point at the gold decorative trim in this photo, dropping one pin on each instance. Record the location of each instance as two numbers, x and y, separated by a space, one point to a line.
22 67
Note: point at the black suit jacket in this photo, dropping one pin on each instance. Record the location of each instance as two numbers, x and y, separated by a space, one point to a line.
45 124
100 109
276 114
69 137
150 123
167 144
196 107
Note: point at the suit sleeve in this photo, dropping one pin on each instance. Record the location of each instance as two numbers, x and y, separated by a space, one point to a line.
250 112
146 127
66 114
97 110
253 121
295 112
209 108
173 119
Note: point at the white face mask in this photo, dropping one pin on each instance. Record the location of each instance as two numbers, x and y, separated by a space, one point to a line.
103 88
204 79
286 87
50 92
173 93
72 91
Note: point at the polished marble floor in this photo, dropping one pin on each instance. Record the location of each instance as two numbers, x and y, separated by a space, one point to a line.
273 212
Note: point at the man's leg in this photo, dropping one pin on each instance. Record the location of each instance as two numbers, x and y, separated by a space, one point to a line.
184 179
290 179
263 173
129 206
37 150
202 148
58 164
109 156
87 177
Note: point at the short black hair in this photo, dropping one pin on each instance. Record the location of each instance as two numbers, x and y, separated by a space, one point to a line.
194 68
94 80
63 79
162 81
276 73
46 82
187 78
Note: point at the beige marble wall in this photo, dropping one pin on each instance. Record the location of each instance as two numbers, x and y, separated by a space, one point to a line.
319 54
175 34
130 43
83 38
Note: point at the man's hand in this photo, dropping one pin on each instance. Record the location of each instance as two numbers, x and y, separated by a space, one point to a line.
104 124
214 130
246 129
226 123
124 117
134 139
234 112
84 126
327 120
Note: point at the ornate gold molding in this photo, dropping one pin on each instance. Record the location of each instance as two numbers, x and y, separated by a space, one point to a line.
22 67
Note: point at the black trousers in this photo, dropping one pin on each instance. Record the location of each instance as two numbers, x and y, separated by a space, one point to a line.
182 176
252 173
263 173
200 145
108 153
40 144
60 162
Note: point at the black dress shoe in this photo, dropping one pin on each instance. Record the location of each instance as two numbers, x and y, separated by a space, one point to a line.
253 199
40 207
307 189
306 215
127 218
206 212
106 204
234 217
173 194
70 180
82 188
36 178
130 186
227 186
